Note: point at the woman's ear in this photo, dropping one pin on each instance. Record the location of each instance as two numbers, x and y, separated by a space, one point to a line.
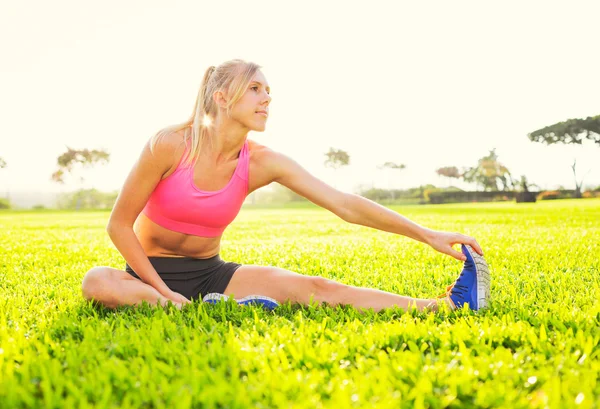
220 99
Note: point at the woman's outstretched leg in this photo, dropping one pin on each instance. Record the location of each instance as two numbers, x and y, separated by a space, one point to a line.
472 287
362 297
284 285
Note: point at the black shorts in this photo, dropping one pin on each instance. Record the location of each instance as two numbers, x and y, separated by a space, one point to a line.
192 277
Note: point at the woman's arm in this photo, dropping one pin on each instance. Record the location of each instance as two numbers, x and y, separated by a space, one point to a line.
125 240
368 213
141 181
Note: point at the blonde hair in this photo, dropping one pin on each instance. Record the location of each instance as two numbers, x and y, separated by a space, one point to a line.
232 77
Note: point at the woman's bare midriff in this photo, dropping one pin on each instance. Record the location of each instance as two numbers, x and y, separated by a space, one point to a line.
160 242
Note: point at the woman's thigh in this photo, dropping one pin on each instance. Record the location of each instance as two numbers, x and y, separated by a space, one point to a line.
278 283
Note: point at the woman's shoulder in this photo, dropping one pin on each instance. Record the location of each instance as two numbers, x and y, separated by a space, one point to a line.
168 147
261 156
257 150
171 141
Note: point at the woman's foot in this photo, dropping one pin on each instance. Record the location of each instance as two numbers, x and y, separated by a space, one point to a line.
266 302
472 285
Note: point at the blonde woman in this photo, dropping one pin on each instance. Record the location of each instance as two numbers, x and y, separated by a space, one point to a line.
188 185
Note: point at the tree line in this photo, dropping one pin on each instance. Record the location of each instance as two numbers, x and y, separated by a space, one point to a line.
489 173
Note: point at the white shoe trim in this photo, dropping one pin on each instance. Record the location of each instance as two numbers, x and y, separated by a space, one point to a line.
219 296
482 277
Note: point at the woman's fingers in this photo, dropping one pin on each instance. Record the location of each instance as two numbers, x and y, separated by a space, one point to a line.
456 254
463 239
184 300
473 243
444 241
178 298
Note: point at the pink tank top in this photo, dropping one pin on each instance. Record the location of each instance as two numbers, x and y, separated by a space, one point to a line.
177 204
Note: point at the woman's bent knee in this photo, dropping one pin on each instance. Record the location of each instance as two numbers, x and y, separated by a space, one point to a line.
92 280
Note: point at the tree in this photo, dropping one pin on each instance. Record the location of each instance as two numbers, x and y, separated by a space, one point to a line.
450 172
71 158
85 158
571 131
578 185
523 184
336 158
393 166
488 172
523 195
2 163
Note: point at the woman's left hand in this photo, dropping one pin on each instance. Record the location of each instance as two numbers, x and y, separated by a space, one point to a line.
443 242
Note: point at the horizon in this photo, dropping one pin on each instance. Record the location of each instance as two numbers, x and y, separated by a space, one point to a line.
441 89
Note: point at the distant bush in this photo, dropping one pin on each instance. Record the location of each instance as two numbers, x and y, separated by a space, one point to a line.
435 190
415 194
38 207
461 197
87 199
525 197
5 204
549 195
590 194
556 194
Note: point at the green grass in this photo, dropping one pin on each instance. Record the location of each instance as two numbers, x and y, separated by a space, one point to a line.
536 346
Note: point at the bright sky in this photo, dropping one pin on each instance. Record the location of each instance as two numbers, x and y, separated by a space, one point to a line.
427 84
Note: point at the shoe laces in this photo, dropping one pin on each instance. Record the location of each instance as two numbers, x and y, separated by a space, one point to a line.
454 288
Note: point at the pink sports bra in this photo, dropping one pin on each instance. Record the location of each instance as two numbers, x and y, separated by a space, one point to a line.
177 204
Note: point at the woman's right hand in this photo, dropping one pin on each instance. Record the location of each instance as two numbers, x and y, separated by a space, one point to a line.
176 297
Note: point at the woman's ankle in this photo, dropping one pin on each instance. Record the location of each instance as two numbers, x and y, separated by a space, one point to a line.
435 303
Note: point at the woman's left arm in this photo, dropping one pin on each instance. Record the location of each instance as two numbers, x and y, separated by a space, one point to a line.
365 212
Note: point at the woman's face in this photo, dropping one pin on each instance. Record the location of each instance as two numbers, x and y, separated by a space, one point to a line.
252 110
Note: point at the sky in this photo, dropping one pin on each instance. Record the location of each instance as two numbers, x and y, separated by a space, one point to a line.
427 84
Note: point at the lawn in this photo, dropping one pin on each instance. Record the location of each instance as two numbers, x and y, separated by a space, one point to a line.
536 346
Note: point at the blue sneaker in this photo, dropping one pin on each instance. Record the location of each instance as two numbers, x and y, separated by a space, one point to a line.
266 302
472 285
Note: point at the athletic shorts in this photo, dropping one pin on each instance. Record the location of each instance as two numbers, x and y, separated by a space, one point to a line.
192 277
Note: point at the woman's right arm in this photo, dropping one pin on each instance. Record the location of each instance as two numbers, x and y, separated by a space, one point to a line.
141 181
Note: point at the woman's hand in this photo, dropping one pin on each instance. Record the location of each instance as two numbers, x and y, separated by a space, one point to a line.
176 297
443 242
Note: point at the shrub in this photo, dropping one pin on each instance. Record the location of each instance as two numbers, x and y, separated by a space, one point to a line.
549 195
4 204
589 194
525 197
427 193
461 196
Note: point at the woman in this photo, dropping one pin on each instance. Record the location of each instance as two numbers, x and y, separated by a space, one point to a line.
189 184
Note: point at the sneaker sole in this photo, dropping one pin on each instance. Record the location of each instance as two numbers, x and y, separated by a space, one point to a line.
483 278
268 302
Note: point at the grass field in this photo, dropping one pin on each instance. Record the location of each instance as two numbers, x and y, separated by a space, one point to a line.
536 346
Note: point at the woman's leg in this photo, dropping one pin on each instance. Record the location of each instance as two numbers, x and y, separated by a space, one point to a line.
361 297
112 288
284 285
